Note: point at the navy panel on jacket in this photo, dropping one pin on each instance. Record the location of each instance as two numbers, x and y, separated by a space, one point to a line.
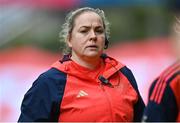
139 106
43 99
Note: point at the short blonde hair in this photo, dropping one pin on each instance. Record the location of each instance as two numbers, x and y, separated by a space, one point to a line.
67 27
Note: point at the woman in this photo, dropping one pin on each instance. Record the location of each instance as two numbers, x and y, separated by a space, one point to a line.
86 85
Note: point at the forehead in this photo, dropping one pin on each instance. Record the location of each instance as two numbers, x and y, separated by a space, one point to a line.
87 19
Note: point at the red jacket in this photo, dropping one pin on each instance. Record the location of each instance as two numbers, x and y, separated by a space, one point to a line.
108 93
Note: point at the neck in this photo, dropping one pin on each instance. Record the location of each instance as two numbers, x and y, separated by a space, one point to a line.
90 63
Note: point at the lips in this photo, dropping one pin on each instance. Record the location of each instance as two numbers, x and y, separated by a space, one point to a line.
92 46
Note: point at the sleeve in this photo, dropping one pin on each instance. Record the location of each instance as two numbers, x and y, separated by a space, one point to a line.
163 111
139 106
42 101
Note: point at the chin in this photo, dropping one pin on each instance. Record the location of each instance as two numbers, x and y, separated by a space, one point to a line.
93 55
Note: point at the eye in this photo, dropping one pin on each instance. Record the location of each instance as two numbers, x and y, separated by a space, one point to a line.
100 31
83 31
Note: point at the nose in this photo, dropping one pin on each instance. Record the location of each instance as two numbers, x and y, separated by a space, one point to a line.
93 36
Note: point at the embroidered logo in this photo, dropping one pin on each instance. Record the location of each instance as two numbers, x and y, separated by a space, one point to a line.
81 94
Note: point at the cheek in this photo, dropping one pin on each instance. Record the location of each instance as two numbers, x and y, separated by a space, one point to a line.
102 41
75 41
78 44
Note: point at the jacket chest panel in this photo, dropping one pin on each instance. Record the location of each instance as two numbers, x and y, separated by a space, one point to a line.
90 101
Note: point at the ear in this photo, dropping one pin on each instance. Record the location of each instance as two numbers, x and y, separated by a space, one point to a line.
68 41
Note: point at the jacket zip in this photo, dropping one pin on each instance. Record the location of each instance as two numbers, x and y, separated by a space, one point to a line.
108 100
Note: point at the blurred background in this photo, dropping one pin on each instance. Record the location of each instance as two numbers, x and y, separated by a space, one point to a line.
29 41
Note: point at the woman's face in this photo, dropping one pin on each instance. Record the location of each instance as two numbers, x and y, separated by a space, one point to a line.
88 36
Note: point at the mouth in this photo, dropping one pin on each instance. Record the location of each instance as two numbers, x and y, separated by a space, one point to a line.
92 46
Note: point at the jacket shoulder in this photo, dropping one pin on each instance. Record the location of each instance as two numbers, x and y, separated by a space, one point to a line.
139 106
51 76
42 101
128 73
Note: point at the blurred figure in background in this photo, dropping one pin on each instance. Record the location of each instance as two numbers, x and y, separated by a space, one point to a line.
164 94
86 85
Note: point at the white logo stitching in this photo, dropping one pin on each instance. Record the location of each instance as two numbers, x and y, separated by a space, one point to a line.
81 94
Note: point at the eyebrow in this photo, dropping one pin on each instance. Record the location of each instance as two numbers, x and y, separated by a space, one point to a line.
90 27
84 27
